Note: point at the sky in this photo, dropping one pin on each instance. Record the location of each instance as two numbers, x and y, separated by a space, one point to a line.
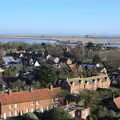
58 17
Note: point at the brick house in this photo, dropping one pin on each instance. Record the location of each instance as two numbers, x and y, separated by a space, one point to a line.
72 66
17 103
77 112
74 85
82 114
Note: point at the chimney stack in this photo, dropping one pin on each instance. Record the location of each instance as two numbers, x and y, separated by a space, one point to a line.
9 91
30 89
50 87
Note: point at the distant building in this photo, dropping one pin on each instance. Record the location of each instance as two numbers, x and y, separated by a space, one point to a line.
17 103
37 64
10 59
56 60
75 85
72 66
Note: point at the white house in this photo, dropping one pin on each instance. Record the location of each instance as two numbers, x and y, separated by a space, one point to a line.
36 64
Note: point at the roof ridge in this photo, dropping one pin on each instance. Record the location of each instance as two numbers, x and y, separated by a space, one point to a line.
26 96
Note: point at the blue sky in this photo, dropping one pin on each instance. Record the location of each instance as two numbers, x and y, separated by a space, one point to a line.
59 17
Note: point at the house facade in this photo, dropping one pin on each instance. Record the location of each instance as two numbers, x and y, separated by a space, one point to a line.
76 111
74 85
82 114
17 103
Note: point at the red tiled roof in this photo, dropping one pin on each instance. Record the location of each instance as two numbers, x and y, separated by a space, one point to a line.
21 97
117 102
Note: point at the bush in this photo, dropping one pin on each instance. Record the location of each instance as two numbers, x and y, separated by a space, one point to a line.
56 114
30 116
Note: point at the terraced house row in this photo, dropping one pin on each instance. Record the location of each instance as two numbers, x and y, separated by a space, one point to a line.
74 85
18 103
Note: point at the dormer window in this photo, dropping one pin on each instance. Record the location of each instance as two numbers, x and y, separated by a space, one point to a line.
86 82
10 106
15 105
71 83
37 102
80 81
101 80
98 79
93 80
105 78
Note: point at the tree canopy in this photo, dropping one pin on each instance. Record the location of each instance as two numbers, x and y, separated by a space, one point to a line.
56 114
46 75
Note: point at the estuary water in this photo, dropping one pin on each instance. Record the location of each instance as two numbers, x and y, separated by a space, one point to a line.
27 40
37 41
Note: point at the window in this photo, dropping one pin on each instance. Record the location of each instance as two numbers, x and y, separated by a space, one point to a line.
32 110
15 105
94 81
101 80
21 112
9 114
34 102
4 115
10 106
106 78
73 115
78 114
80 81
87 83
26 110
15 113
41 109
71 83
47 108
98 79
37 102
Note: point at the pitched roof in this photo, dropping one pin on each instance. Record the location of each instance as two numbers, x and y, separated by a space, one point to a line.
117 102
20 97
88 78
73 68
36 64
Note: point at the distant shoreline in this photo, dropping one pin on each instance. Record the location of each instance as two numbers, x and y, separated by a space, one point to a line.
110 40
44 36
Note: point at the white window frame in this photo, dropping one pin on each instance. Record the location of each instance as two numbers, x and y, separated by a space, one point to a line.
42 109
4 115
32 109
15 105
15 113
10 106
10 114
